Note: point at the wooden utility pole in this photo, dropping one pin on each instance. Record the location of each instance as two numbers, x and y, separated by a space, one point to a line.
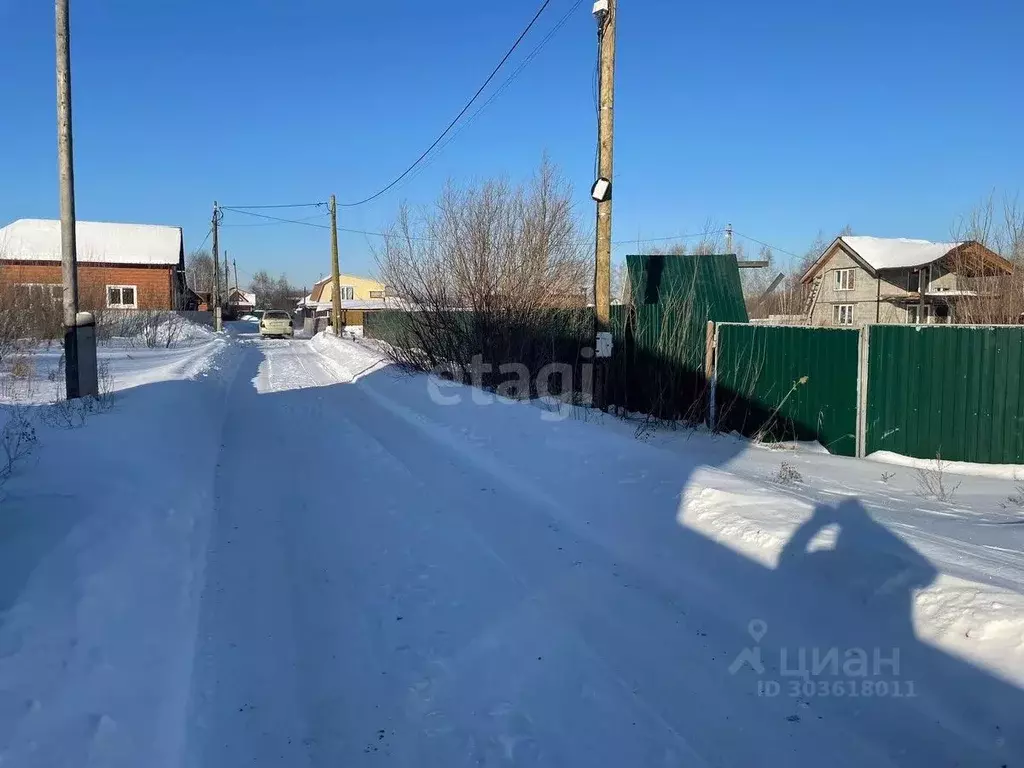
606 21
227 280
235 265
217 322
79 380
335 272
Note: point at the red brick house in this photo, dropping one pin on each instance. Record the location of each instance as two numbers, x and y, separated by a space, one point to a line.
120 266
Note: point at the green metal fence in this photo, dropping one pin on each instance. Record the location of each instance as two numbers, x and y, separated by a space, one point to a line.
660 342
788 383
953 391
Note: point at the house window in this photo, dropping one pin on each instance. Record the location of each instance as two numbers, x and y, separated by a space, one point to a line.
347 293
842 314
915 316
844 279
918 279
376 294
122 297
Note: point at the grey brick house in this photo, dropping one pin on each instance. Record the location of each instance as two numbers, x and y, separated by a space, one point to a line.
861 280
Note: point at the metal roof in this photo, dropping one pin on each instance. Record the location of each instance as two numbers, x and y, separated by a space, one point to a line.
97 242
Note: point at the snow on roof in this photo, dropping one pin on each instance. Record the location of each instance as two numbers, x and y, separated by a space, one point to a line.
247 298
97 242
389 303
896 252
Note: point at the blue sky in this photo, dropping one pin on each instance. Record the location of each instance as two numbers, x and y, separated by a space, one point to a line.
783 118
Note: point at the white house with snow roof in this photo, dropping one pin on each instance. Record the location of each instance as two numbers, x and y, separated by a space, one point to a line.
862 280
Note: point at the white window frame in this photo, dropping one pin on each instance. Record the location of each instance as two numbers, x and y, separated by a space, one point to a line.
850 274
135 293
842 314
918 320
346 292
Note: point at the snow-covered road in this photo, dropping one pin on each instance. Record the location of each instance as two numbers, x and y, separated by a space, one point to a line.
389 581
287 553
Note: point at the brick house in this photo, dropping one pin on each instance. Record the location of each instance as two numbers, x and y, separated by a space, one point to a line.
862 280
120 266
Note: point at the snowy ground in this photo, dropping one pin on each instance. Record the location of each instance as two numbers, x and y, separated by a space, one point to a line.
291 554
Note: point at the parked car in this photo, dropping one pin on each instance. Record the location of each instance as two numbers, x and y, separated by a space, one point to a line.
276 322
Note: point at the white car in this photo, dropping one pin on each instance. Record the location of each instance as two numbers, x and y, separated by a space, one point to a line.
276 322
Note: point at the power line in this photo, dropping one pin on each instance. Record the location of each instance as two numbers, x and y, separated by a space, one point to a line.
500 89
458 117
277 222
684 236
767 245
288 205
277 218
306 222
208 233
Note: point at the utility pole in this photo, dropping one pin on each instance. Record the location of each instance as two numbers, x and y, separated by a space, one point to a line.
217 322
226 301
235 265
605 14
728 238
335 274
80 374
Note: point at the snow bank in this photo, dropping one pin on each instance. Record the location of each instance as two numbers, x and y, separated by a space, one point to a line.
997 471
350 361
981 622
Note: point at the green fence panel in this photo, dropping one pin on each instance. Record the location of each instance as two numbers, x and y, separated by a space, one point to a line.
658 365
789 383
950 391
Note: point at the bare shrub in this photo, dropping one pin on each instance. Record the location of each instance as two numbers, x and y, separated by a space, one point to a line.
934 483
787 474
766 429
17 438
18 434
489 271
29 314
62 413
887 476
1015 499
104 399
149 328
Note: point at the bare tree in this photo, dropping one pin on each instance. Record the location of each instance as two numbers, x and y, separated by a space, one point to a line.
988 293
621 289
273 293
199 271
487 265
756 282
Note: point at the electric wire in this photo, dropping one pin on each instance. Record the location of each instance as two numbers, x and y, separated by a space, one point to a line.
458 117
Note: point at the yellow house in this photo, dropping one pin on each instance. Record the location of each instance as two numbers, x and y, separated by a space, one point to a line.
353 288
